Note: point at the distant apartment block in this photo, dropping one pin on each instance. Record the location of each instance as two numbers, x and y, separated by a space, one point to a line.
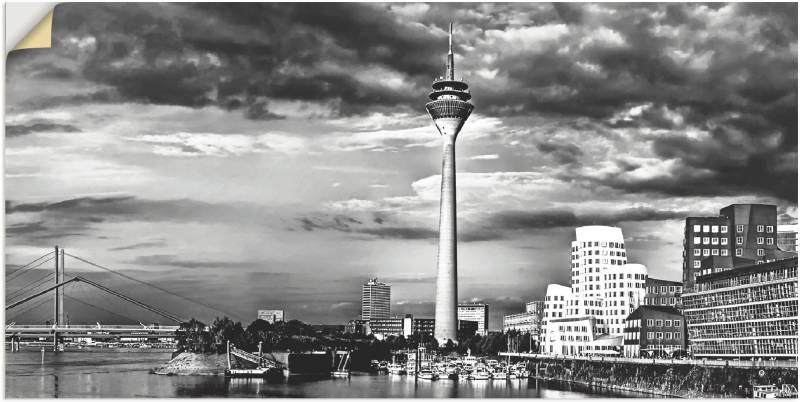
478 312
375 300
746 313
522 322
742 235
270 316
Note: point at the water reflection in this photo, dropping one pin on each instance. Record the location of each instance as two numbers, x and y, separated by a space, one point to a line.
122 375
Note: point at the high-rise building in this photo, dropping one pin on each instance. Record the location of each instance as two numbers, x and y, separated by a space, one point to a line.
375 300
745 313
787 238
604 285
536 306
742 235
449 108
270 316
478 312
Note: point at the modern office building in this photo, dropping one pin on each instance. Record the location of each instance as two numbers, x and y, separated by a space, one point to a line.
478 312
536 306
660 292
523 322
270 316
449 108
787 238
356 327
383 327
655 331
746 313
375 300
742 235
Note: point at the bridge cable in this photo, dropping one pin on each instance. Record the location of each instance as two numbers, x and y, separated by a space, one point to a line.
105 301
129 299
23 267
100 308
18 272
29 308
33 285
152 286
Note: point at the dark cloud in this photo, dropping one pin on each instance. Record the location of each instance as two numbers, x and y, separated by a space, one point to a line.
546 219
167 260
136 246
13 130
562 153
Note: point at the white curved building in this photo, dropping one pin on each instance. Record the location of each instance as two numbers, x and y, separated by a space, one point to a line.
604 290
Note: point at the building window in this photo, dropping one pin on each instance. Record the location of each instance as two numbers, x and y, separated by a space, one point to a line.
723 229
659 322
677 323
706 252
760 252
667 323
706 228
696 228
649 322
723 241
739 252
706 240
759 240
715 251
739 228
715 229
659 335
668 335
760 228
723 252
770 229
739 240
677 335
649 335
697 252
770 241
715 240
696 240
696 264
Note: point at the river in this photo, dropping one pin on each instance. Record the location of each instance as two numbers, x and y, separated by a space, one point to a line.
121 375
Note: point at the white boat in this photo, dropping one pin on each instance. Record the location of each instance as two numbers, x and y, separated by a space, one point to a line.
340 373
765 391
479 374
427 375
397 369
499 375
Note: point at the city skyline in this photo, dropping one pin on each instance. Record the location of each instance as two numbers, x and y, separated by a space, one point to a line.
206 152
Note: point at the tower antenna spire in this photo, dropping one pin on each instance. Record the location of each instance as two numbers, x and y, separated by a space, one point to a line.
450 63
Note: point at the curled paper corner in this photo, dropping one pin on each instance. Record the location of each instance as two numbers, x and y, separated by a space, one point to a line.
40 36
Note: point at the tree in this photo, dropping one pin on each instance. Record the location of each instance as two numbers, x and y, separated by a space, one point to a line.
193 336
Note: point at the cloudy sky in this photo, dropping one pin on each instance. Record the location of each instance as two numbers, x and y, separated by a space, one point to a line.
279 155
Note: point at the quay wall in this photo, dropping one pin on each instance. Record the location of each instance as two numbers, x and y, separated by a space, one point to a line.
676 380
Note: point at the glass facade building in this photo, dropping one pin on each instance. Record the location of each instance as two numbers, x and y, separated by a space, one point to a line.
749 312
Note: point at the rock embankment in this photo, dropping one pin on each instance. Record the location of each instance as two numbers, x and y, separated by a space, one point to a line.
194 364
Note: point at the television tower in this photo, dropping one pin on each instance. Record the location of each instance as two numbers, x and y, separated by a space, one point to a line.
449 108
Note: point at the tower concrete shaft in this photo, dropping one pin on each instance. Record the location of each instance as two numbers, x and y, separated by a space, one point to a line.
449 108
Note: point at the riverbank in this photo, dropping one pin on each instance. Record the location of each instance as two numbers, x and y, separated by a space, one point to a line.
681 381
194 364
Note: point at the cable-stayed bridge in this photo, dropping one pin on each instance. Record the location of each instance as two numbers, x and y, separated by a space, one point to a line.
27 303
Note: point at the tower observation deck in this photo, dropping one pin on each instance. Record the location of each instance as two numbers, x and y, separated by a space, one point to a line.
449 108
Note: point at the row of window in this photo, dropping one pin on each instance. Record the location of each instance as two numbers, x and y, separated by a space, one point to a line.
664 323
707 252
664 289
711 240
660 301
710 228
663 335
745 329
724 229
600 244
